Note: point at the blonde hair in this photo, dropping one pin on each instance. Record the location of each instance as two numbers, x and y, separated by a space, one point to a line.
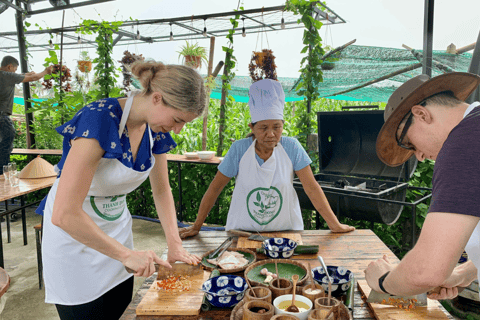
181 87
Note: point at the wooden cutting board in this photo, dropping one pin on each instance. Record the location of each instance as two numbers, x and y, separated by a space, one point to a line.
166 303
244 243
386 312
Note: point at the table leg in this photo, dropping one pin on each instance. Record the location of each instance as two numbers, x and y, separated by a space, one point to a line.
7 219
24 221
1 248
180 214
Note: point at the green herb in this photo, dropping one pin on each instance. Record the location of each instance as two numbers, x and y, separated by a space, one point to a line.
192 49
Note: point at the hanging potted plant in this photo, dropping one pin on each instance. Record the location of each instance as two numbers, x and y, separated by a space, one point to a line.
193 55
262 65
85 62
329 62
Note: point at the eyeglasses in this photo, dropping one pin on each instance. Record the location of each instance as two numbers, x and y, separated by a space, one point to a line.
408 146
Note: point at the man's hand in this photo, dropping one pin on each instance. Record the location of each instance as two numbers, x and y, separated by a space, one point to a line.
375 270
48 70
31 73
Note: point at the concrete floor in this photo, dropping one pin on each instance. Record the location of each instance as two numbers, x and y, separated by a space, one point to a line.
24 300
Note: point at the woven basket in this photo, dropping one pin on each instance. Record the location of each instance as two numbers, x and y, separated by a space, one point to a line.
231 270
237 312
253 283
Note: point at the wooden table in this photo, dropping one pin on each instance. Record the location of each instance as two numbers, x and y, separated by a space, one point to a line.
7 192
352 250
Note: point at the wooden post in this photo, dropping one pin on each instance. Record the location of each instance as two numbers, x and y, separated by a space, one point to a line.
26 86
222 110
205 113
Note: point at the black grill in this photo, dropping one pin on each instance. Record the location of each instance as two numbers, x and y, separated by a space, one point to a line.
355 181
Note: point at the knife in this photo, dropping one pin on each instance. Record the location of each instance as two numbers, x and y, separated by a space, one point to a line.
178 269
251 236
419 300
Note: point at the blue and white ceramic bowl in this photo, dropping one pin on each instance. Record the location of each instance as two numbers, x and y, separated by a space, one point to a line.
340 276
218 290
279 248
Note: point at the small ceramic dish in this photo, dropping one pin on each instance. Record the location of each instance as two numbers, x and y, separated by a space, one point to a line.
191 155
218 290
279 248
302 315
341 279
206 155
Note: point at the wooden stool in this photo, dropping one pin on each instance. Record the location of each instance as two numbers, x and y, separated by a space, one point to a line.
38 237
4 284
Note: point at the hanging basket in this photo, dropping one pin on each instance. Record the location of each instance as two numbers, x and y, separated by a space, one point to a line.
85 66
262 65
193 61
327 65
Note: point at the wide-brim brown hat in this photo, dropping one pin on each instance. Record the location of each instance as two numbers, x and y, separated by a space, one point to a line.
409 94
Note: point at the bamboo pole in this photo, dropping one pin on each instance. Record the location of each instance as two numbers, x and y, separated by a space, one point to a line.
409 68
466 48
207 102
436 64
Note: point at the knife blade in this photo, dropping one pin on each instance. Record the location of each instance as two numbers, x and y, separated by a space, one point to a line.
418 300
178 269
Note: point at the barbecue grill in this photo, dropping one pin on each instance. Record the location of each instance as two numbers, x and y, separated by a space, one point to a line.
356 182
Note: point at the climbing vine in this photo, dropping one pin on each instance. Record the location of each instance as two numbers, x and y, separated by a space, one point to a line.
104 69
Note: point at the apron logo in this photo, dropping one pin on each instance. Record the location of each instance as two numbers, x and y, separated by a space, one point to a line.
264 204
108 208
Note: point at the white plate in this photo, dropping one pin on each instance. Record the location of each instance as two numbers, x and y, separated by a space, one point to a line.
206 155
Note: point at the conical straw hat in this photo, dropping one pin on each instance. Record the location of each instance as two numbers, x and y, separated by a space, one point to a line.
37 168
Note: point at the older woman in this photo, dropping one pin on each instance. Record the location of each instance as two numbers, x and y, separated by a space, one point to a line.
264 165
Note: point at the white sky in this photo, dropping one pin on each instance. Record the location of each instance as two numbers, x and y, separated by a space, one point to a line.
383 23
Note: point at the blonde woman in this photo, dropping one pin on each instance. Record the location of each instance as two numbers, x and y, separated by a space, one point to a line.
110 147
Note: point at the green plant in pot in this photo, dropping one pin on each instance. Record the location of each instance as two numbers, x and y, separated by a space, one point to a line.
85 62
329 62
193 54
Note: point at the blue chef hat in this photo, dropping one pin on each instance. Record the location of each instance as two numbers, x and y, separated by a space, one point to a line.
267 100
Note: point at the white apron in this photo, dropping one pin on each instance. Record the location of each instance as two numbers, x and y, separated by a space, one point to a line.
74 273
264 198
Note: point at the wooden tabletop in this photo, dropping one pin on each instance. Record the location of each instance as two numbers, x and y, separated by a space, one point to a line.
25 186
352 250
170 157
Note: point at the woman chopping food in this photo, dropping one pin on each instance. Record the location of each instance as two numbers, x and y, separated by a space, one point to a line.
110 148
264 165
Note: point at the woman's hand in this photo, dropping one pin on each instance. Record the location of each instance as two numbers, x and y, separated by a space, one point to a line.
342 228
178 253
144 262
188 232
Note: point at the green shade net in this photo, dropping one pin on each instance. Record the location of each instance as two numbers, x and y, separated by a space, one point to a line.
358 65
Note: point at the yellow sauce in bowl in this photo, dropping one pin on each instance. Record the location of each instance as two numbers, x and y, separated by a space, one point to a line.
302 306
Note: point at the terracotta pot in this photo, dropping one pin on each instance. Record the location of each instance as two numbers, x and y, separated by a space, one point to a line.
313 296
324 307
193 61
262 294
280 286
249 312
85 66
259 57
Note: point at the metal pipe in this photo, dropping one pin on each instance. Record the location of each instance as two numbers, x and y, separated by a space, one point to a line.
428 37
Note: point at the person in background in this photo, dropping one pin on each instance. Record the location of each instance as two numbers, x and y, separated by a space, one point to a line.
264 165
427 117
8 80
110 148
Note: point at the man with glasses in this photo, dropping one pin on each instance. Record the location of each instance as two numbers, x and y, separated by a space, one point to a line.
427 117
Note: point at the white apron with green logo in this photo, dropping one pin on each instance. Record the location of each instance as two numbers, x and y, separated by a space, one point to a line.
74 273
264 198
